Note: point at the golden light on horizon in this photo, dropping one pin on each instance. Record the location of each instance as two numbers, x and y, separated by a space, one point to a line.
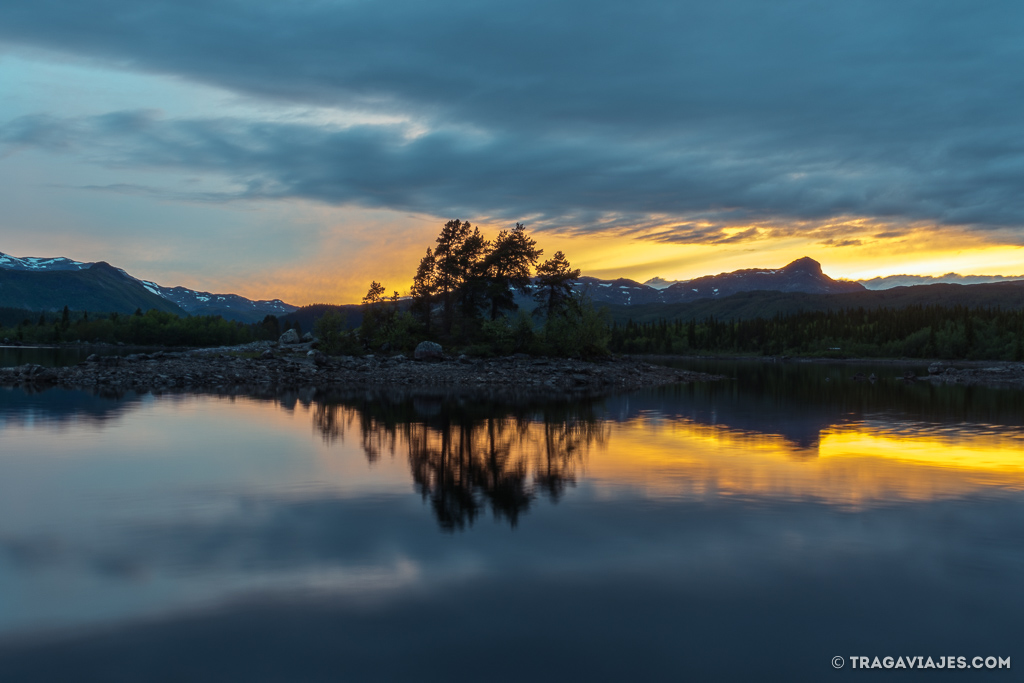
351 250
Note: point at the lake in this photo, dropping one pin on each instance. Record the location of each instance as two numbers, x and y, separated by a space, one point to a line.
749 529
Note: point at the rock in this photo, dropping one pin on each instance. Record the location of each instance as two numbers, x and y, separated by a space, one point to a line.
268 354
429 351
935 368
464 359
289 337
92 358
308 337
319 357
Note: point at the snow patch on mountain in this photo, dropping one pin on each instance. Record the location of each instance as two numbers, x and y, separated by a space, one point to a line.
191 301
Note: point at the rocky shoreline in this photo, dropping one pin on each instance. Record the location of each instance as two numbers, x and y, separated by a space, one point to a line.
282 367
992 374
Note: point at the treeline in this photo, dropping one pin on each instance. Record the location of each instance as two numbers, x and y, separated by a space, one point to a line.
153 327
464 296
933 331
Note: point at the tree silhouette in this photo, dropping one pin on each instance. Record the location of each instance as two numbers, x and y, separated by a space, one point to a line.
509 266
424 289
554 284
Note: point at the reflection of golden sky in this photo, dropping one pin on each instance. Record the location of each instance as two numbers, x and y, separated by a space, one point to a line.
853 465
850 468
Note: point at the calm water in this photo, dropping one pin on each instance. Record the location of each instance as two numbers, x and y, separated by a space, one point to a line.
750 529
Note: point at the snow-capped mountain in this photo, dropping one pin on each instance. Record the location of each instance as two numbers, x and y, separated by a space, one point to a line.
229 306
202 302
34 263
660 283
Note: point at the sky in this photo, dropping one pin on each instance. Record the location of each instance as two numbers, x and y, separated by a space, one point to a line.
301 148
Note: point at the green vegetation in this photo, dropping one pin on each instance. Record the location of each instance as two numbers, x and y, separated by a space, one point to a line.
917 331
151 328
768 304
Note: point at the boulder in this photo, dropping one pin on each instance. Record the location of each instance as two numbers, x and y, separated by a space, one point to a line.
289 337
308 337
267 355
428 351
319 357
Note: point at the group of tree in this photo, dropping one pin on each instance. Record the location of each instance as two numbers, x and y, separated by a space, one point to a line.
933 331
154 327
464 295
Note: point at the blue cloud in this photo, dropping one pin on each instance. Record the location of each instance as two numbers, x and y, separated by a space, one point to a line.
582 114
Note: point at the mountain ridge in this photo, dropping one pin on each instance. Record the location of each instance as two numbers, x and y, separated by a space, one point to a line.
804 275
182 299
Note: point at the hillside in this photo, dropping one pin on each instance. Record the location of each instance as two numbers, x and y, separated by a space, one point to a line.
754 304
802 276
228 306
100 287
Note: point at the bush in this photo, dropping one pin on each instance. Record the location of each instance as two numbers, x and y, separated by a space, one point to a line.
335 340
580 330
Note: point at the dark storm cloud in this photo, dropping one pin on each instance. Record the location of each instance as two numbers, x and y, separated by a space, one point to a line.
588 114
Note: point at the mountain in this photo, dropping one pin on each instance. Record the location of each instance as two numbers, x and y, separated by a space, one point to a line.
228 306
801 276
32 263
890 281
767 304
660 283
94 287
176 299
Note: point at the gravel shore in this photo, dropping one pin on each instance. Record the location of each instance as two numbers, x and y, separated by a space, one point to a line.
297 366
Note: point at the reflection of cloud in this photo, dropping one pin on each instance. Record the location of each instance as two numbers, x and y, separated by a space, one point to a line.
369 564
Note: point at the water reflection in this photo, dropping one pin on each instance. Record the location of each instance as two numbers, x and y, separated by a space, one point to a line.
26 406
700 532
802 401
465 455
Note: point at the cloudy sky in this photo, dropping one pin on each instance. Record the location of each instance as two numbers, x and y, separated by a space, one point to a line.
299 148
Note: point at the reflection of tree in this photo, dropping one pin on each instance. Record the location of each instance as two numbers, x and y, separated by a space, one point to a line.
467 456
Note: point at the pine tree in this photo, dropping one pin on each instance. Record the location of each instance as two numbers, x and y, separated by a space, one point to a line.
424 288
554 284
508 267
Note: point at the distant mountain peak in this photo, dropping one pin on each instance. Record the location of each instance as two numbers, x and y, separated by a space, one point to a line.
802 275
804 264
660 283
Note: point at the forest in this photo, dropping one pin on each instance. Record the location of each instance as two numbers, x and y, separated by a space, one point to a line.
933 331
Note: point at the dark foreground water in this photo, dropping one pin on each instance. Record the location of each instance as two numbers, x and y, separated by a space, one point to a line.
746 530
